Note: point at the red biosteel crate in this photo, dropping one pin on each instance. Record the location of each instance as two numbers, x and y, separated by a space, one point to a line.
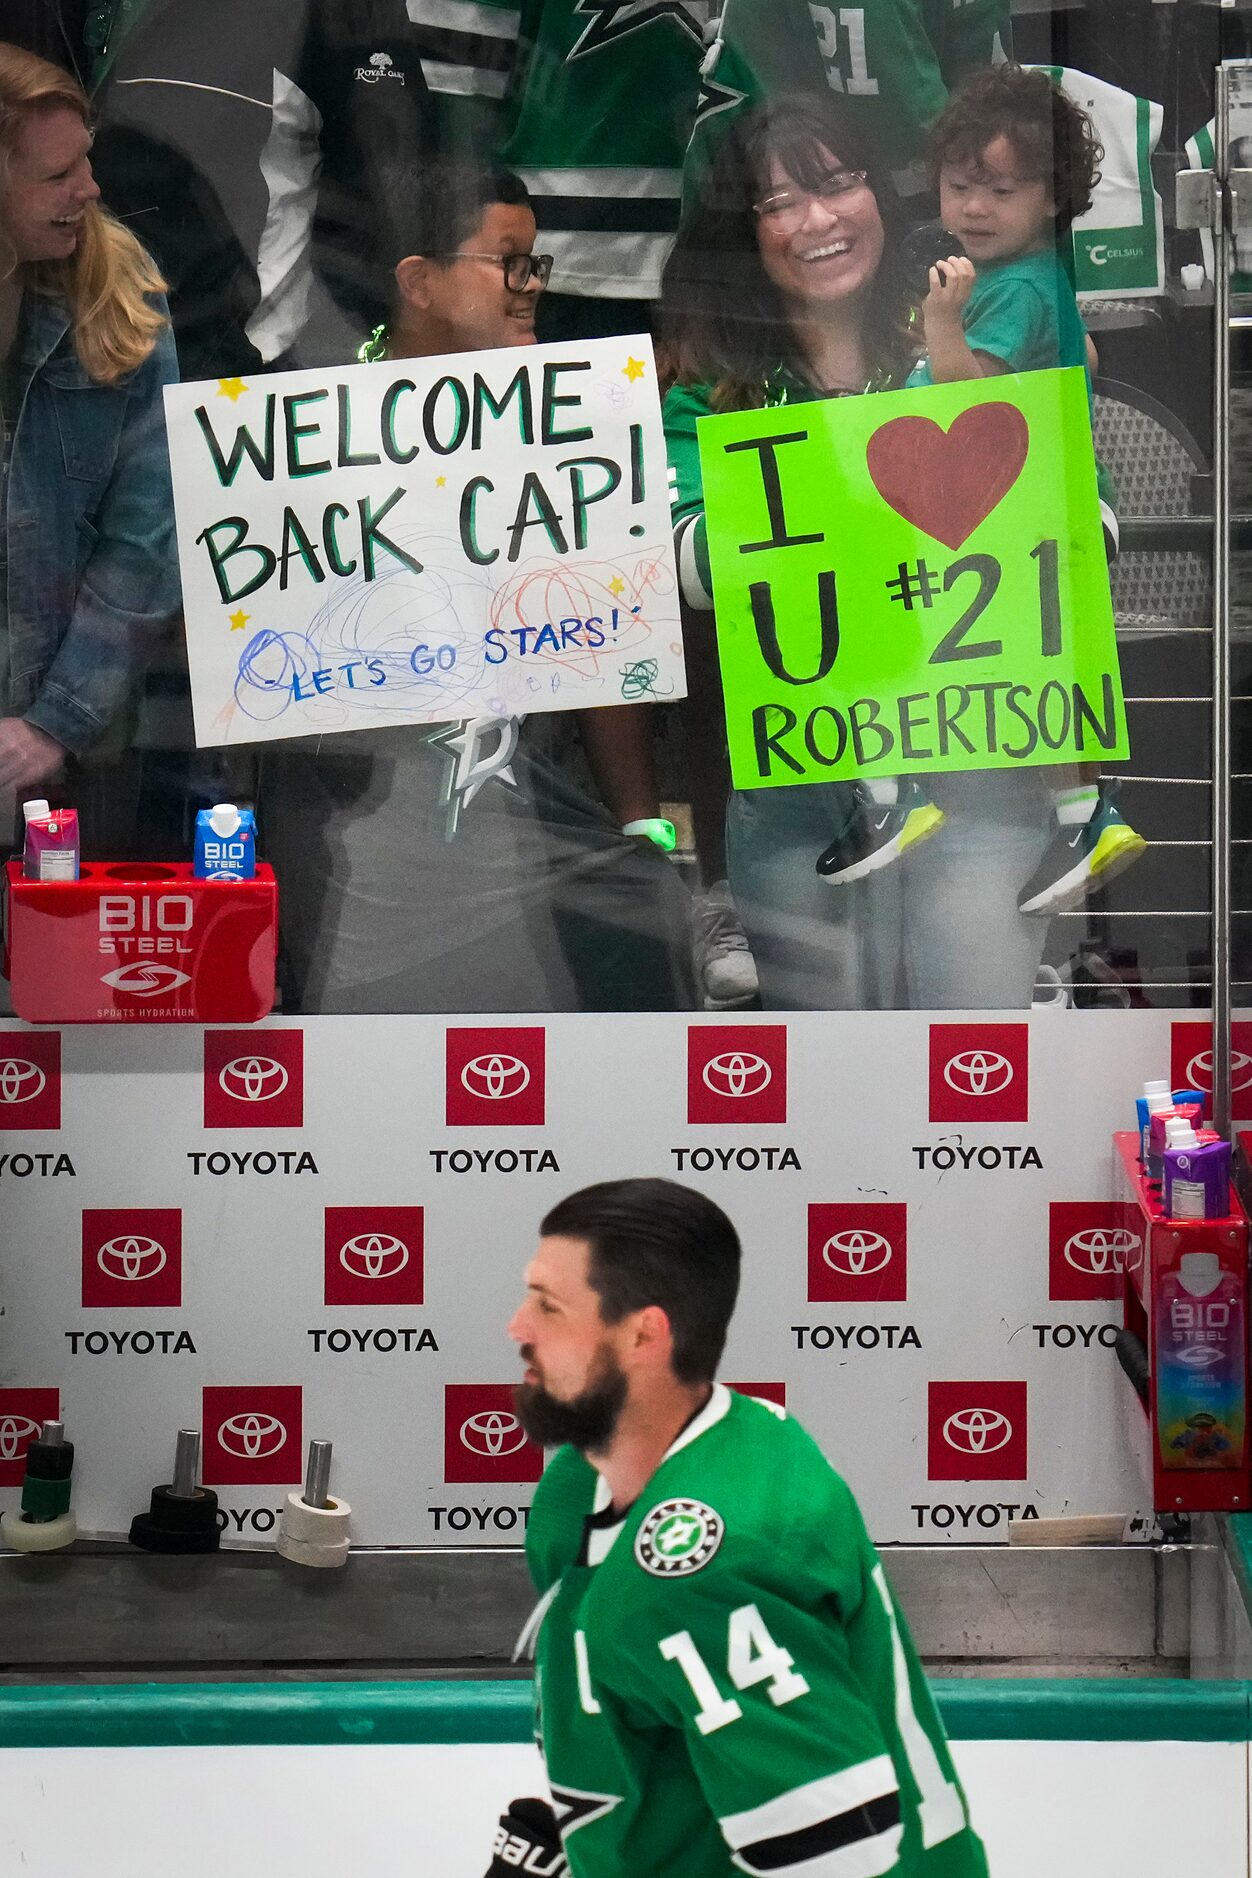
141 943
1194 1435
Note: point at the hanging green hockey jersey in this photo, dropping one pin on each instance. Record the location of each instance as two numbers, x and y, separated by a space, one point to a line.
1200 155
1117 249
597 100
893 61
723 1683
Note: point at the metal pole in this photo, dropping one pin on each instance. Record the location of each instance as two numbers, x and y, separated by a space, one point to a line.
317 1474
186 1464
1223 239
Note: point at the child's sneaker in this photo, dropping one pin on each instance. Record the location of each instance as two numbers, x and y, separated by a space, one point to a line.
1080 858
876 834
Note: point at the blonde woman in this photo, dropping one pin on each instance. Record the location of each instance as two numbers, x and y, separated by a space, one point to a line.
88 573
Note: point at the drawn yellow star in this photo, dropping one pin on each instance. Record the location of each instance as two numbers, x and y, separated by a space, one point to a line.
232 388
617 586
441 482
634 369
239 620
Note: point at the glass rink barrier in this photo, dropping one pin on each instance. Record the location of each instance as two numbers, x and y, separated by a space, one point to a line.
654 597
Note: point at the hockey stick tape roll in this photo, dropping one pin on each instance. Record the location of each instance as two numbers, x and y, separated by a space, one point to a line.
315 1525
28 1535
325 1553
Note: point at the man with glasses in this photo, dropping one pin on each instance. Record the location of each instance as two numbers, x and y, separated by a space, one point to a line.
459 867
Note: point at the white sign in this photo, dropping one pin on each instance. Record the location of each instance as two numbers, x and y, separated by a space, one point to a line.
486 534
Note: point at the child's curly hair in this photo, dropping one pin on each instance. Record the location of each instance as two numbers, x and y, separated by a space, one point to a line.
1051 137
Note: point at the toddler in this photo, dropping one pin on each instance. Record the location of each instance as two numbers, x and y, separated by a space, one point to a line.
1015 162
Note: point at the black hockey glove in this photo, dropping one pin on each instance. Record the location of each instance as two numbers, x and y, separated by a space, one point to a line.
528 1843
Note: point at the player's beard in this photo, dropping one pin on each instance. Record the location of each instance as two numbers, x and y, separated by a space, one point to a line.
587 1421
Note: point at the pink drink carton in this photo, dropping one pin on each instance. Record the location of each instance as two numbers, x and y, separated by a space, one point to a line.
1192 1112
51 850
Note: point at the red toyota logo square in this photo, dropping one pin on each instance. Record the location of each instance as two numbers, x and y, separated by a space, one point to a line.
252 1436
374 1255
977 1431
1191 1064
254 1078
858 1253
30 1079
22 1414
496 1077
132 1258
979 1072
736 1073
1090 1244
775 1392
484 1443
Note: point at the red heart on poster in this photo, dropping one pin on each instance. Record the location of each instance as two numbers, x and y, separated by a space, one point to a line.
947 482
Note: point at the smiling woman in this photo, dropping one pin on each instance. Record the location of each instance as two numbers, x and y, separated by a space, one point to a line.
50 185
787 286
86 477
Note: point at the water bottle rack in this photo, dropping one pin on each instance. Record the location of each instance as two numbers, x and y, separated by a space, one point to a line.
1187 1356
140 943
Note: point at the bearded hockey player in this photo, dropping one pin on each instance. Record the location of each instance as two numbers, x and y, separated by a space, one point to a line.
723 1683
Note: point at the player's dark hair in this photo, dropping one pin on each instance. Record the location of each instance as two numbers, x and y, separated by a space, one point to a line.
1051 136
432 206
724 323
655 1242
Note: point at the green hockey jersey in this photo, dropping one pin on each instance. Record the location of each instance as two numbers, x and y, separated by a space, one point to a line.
893 61
596 101
1117 248
1200 155
723 1683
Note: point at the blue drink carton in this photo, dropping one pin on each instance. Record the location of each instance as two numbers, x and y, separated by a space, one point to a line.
225 843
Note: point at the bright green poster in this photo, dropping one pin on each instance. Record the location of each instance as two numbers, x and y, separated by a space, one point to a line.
911 582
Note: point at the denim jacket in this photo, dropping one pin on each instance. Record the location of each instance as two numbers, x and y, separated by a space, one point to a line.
92 562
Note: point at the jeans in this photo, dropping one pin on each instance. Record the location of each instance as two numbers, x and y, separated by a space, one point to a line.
937 930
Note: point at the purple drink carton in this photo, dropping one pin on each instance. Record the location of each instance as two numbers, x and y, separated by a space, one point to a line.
1197 1179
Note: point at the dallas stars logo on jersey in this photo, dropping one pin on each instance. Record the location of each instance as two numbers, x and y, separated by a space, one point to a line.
677 1537
479 750
613 19
574 1808
715 97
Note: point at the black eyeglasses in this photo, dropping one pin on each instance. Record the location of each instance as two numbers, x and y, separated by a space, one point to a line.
519 269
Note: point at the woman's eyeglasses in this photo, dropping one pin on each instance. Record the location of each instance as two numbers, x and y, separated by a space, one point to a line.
785 209
519 269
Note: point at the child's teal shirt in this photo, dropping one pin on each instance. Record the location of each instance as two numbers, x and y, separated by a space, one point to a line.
1023 312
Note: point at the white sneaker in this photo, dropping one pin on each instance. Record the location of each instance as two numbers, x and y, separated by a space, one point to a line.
725 968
